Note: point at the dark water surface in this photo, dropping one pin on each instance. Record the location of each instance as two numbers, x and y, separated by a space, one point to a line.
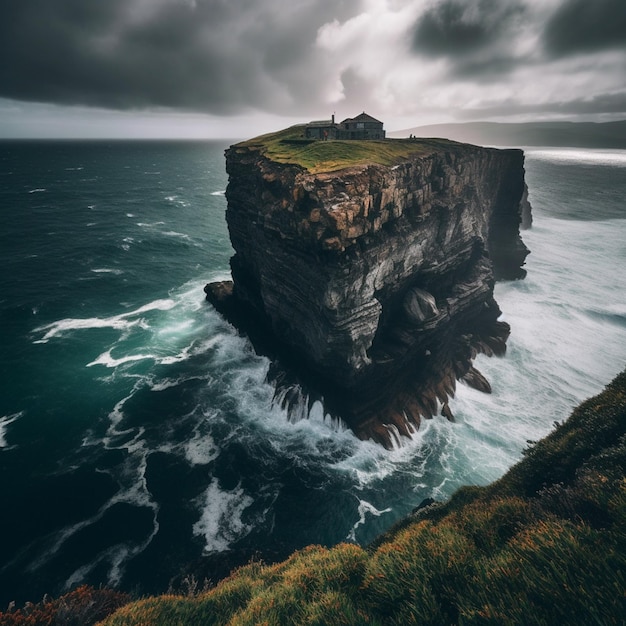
137 432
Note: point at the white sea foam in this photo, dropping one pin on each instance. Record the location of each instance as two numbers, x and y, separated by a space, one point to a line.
200 450
178 201
363 509
221 522
173 233
5 422
38 190
108 360
219 193
123 321
169 383
106 270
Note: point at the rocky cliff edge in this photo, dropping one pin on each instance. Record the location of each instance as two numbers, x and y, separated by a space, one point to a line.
365 270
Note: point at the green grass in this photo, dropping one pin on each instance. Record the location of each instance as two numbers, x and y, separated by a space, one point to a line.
290 147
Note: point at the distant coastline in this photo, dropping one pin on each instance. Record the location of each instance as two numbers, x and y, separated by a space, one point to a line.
608 135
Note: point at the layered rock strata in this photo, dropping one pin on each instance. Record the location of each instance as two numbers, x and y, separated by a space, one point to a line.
372 286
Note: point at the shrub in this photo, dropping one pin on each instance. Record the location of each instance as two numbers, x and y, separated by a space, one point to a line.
83 606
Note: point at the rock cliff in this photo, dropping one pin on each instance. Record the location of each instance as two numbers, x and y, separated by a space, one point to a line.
369 277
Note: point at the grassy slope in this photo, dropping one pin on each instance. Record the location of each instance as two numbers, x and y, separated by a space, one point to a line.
546 544
290 146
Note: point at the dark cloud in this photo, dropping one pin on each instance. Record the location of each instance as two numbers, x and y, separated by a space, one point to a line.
586 26
458 27
216 56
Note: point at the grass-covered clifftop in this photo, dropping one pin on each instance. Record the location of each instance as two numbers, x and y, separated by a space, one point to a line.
290 146
546 544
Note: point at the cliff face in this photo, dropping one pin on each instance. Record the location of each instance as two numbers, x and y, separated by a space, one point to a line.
375 282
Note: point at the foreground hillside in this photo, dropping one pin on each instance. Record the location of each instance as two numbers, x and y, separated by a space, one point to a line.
546 544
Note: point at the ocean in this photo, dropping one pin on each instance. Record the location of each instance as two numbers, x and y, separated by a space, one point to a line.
138 437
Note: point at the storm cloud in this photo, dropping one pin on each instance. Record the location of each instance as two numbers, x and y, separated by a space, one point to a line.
583 26
406 60
459 27
210 55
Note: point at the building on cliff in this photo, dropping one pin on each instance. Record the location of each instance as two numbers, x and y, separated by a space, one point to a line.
362 126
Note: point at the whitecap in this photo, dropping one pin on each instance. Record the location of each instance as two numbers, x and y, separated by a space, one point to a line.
177 200
219 193
183 355
4 423
173 233
168 383
118 322
38 190
106 270
108 360
221 522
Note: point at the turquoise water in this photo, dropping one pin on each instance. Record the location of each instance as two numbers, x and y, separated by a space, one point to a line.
137 433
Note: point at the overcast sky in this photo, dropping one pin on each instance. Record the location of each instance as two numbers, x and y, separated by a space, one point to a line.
231 68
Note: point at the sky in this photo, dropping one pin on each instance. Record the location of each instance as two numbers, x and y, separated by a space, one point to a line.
235 68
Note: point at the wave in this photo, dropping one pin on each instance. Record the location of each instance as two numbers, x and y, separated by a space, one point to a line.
118 322
108 360
178 201
38 190
219 193
149 224
106 270
173 233
6 421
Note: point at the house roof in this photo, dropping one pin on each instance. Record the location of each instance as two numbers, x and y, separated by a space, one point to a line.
321 123
362 117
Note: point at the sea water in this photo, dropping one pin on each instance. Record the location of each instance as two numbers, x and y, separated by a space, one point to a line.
137 430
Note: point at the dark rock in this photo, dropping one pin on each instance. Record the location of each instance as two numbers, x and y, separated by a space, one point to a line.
525 211
447 412
475 379
372 286
424 504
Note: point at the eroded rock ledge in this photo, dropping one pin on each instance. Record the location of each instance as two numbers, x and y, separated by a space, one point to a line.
372 286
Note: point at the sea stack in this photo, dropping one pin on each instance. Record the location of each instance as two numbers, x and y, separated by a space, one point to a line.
365 269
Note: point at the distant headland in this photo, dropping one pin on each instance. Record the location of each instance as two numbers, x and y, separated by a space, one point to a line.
607 135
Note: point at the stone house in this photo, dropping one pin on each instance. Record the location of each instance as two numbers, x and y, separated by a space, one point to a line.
362 126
